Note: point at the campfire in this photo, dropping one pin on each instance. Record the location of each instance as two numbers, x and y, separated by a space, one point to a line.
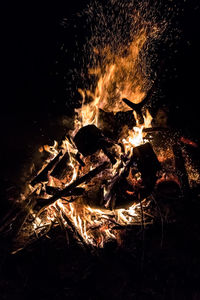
96 187
104 178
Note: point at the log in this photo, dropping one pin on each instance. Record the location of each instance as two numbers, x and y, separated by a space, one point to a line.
60 166
85 178
51 190
138 107
145 161
79 160
89 139
147 164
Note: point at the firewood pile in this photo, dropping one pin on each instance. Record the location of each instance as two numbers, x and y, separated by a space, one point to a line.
96 188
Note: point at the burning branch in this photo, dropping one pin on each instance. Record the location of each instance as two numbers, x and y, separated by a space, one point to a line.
69 189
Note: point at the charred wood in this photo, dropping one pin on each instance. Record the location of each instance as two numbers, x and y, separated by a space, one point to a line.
143 160
54 190
89 139
51 190
60 167
65 192
147 164
43 175
75 232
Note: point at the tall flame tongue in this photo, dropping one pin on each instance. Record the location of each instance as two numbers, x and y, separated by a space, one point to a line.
119 78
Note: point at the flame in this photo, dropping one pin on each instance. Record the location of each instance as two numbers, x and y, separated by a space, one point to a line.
136 135
126 81
51 149
119 76
95 226
87 220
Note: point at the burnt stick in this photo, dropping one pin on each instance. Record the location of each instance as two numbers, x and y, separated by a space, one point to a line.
85 178
42 176
137 107
60 166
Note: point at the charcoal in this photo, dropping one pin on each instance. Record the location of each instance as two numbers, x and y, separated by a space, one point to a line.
138 107
79 160
51 190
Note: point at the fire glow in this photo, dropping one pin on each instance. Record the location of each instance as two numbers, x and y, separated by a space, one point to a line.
118 76
95 226
90 209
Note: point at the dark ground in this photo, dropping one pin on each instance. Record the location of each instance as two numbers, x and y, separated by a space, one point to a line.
33 102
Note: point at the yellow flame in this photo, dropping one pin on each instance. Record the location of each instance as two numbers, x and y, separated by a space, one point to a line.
136 135
120 76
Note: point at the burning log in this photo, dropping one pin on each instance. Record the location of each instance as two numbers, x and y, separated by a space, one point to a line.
61 166
51 190
62 193
42 176
147 164
138 107
143 160
155 129
90 139
54 190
